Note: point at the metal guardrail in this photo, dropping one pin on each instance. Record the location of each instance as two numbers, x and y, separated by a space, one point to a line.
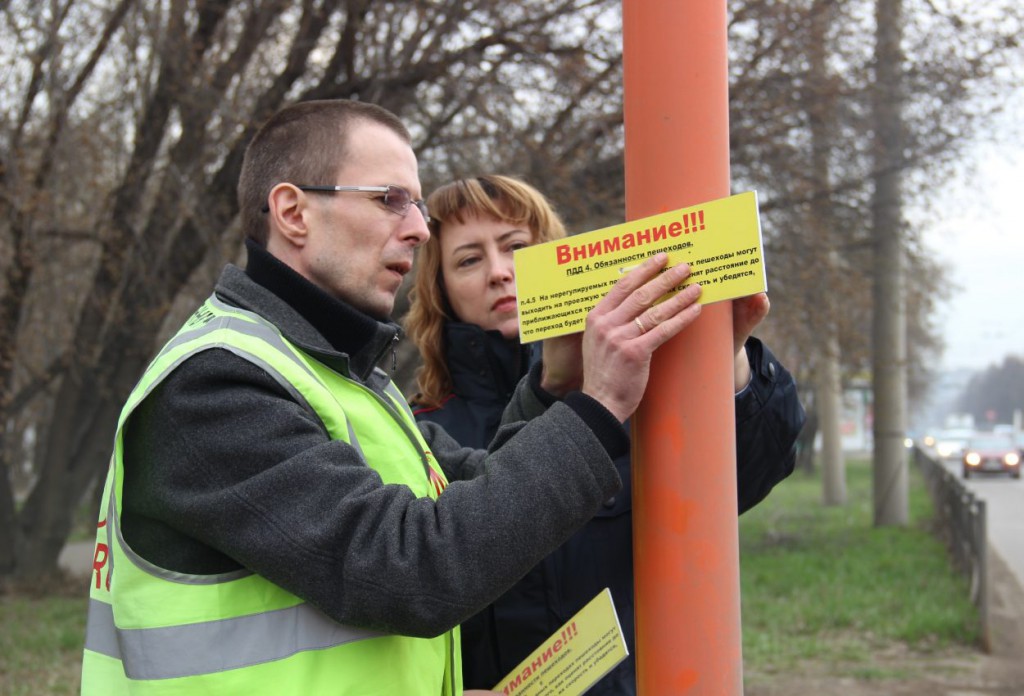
962 524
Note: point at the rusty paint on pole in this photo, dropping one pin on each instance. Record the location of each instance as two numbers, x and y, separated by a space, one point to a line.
685 530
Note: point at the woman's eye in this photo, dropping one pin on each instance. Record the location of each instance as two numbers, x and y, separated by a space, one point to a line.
467 261
517 245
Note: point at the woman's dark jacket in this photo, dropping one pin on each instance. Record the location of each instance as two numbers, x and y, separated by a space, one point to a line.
485 369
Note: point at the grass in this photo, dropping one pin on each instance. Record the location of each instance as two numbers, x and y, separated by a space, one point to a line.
821 584
41 643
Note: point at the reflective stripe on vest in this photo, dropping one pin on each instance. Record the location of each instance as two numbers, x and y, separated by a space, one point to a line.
265 637
171 632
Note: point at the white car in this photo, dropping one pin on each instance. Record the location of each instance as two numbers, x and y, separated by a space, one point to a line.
950 444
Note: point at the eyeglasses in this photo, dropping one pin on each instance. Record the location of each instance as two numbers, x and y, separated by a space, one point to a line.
395 198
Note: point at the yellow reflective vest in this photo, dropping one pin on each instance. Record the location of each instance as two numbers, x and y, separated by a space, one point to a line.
155 631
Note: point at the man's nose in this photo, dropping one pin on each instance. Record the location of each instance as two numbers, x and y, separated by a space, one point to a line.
414 228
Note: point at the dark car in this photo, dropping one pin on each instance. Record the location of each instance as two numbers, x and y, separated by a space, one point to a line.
992 453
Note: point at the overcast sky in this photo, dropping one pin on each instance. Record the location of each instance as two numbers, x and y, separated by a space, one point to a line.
981 240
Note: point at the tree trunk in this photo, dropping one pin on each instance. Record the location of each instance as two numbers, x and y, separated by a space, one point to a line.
8 556
829 390
888 355
822 119
12 306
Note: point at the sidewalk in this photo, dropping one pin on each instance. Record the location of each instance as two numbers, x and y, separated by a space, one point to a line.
1006 611
76 558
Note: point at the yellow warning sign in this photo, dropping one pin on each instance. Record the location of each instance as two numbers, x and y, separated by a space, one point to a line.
559 282
572 660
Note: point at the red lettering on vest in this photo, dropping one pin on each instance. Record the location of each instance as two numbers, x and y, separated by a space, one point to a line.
99 561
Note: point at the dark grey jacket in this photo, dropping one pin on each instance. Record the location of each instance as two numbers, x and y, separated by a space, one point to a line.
223 469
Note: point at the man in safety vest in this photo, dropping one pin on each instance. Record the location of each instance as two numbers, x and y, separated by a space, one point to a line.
274 520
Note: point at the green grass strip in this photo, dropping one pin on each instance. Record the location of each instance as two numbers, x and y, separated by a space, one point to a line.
821 584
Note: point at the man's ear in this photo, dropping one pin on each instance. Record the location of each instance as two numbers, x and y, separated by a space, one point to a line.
288 213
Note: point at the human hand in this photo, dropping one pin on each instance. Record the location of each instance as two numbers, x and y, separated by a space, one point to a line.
747 313
562 365
626 327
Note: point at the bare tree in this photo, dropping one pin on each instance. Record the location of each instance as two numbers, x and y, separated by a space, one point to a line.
820 105
996 395
192 81
123 126
955 63
888 367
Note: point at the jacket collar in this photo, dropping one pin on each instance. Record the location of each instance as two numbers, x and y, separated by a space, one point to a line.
483 364
341 336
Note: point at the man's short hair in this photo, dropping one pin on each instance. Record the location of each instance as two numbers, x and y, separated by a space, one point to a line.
303 143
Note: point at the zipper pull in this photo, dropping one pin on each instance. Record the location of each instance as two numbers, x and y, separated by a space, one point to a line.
394 354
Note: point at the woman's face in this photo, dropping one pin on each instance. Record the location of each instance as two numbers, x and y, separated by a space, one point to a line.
476 264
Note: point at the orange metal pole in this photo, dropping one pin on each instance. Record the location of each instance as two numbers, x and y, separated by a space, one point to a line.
688 635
